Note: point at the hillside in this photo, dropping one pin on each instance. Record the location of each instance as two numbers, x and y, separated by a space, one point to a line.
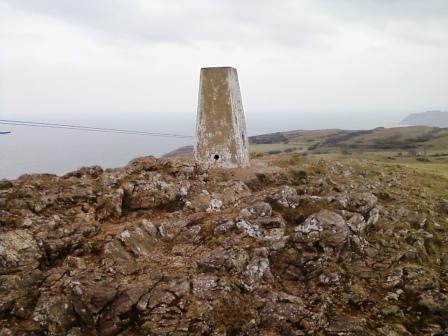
316 245
379 139
430 118
399 139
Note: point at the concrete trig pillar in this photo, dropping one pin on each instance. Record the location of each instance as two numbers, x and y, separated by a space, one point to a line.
221 138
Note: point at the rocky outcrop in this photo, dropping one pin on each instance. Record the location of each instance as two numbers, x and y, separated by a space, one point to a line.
163 247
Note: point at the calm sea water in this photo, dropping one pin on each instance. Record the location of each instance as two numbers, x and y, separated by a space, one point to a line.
42 150
34 150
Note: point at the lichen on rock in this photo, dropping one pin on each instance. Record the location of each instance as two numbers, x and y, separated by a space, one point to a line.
165 247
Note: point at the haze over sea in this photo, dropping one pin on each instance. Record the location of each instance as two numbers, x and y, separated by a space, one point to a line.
58 151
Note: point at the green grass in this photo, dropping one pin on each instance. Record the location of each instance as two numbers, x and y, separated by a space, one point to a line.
437 168
264 148
403 139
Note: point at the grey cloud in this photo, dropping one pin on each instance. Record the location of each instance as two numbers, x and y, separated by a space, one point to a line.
402 10
284 22
248 22
415 21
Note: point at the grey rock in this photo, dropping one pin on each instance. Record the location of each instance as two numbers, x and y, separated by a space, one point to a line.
110 204
285 196
56 310
326 227
223 259
224 227
357 223
358 202
258 209
18 250
169 230
152 192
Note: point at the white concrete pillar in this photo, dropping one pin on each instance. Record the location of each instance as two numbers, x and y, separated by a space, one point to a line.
221 138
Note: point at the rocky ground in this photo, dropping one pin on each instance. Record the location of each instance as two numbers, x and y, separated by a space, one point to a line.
291 246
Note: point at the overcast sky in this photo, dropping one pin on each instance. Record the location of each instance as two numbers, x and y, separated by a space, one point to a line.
80 59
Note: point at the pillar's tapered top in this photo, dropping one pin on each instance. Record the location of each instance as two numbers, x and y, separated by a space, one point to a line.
217 68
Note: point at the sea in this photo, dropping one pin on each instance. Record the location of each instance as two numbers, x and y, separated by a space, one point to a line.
57 151
28 150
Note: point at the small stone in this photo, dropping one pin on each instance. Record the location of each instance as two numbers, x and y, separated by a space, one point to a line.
258 209
183 191
214 205
224 227
249 228
390 310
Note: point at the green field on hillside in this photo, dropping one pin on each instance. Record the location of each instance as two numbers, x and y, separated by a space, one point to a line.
415 139
424 149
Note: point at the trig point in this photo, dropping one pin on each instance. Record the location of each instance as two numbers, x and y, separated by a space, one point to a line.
221 138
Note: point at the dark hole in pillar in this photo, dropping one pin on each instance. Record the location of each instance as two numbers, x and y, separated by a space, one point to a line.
216 157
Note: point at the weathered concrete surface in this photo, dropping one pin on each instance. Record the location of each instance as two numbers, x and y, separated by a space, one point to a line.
221 138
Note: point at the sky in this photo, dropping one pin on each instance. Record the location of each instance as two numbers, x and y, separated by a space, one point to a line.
301 63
